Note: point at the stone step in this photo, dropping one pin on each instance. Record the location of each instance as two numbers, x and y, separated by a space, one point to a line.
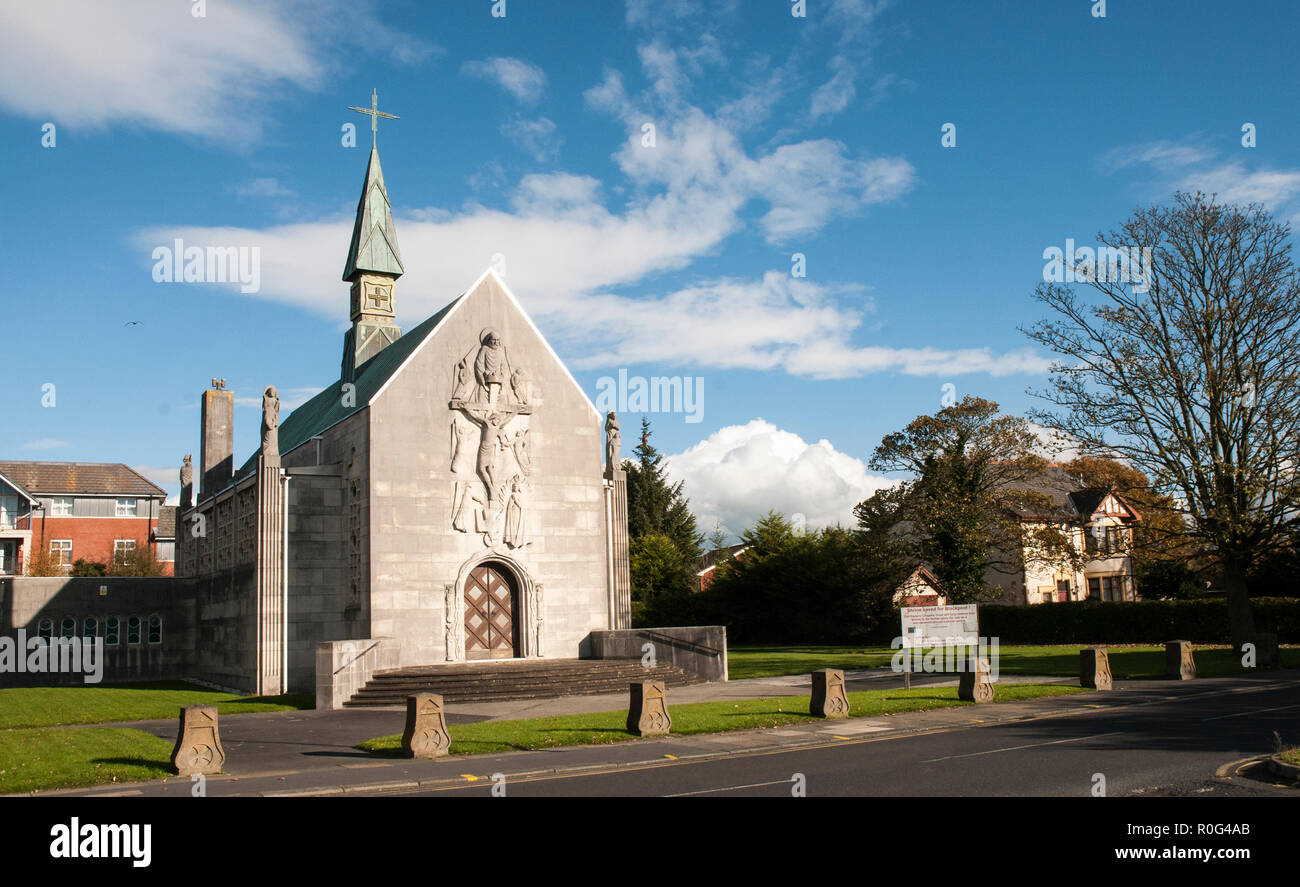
491 682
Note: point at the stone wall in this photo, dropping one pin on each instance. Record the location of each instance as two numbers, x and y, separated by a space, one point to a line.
699 650
208 625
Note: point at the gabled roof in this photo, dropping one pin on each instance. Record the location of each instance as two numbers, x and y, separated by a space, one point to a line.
374 237
1067 498
79 478
326 408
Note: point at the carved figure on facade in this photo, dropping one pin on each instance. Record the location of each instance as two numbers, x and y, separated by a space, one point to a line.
271 426
613 443
496 401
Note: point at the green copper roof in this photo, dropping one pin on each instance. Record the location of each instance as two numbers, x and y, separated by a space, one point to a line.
326 408
374 238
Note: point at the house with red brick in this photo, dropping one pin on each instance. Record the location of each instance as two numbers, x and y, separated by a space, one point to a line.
77 511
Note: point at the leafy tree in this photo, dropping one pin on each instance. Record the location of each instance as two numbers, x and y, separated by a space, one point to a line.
1190 376
973 475
771 534
1168 580
83 567
820 587
653 504
139 561
664 542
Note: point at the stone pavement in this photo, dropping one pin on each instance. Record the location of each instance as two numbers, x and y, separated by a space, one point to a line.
312 753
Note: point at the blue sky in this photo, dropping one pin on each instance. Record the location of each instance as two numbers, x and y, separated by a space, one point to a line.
523 136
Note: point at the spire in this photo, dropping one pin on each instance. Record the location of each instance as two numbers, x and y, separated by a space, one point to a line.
374 237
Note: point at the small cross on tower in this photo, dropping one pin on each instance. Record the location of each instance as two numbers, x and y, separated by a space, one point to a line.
375 114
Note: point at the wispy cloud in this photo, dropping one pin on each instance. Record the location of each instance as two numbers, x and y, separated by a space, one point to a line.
523 80
45 443
152 63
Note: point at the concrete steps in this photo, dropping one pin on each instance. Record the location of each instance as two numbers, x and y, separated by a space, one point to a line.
502 681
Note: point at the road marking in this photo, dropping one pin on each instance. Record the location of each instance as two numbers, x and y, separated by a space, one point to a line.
994 751
1242 714
729 788
671 757
469 777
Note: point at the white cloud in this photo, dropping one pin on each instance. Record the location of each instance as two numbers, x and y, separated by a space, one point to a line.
289 398
1233 183
834 95
152 63
45 443
268 187
167 478
740 472
537 137
523 80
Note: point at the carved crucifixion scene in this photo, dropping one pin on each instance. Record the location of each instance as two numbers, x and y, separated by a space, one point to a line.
491 463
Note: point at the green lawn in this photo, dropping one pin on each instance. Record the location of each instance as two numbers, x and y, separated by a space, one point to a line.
78 756
1126 662
101 703
495 737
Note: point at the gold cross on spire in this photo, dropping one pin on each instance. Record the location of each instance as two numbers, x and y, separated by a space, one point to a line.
375 114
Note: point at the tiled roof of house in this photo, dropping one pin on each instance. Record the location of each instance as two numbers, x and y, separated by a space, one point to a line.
1066 496
711 559
80 478
166 523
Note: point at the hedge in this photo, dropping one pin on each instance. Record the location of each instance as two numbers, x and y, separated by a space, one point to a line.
1139 622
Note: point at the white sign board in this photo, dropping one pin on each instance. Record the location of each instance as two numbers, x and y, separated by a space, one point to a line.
955 626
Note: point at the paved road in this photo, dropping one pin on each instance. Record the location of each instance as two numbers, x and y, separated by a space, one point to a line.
1171 747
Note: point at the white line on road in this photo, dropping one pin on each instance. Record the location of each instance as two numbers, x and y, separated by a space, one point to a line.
730 788
993 751
1242 714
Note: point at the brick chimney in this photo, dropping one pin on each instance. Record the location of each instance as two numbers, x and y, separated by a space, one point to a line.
217 447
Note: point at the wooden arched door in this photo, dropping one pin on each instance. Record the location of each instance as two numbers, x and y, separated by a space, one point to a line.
491 605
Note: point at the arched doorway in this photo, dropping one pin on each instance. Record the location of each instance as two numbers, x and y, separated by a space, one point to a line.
491 613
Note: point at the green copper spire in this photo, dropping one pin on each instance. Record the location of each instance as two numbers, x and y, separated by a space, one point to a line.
374 237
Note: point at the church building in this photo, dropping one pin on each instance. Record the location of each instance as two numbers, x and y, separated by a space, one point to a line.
453 496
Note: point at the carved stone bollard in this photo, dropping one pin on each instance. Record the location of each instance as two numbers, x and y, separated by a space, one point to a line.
974 685
1180 664
426 733
1267 654
647 715
828 697
1094 668
198 743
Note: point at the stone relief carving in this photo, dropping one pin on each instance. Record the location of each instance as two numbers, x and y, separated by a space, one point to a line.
491 480
538 614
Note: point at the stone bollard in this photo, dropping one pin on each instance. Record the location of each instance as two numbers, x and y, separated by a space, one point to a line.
426 733
647 715
974 685
1094 668
828 697
1180 664
1267 654
198 744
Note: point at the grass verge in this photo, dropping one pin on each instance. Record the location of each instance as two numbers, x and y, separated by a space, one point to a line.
77 756
101 703
1126 662
495 737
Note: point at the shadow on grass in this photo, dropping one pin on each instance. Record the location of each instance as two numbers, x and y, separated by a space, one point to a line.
163 767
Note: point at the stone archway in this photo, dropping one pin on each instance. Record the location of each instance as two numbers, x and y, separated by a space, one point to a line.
526 607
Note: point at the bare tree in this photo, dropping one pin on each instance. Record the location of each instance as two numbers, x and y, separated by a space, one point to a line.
1189 373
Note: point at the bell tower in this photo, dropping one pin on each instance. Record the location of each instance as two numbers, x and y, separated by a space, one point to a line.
374 263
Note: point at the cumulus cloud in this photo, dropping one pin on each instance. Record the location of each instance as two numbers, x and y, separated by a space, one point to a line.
740 472
523 80
45 443
153 64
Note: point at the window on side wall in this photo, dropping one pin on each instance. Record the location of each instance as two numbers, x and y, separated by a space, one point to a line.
112 631
133 630
61 506
125 508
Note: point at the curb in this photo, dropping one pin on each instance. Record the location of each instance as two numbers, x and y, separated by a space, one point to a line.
1279 767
